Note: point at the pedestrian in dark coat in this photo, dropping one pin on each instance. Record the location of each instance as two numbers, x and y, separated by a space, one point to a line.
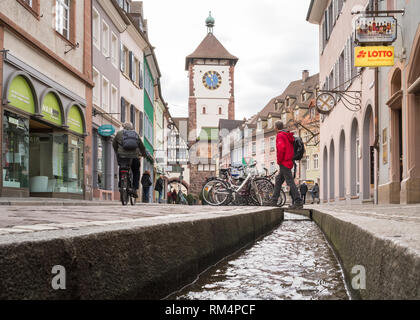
159 188
315 193
303 190
174 196
146 182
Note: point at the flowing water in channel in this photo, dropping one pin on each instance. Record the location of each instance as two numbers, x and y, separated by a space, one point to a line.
293 262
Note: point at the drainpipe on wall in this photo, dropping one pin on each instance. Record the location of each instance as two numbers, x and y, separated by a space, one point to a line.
376 143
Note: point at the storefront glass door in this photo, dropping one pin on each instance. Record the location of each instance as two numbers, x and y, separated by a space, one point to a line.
15 149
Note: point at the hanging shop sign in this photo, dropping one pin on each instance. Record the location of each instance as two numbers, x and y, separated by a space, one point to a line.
380 30
106 130
380 56
51 109
75 120
20 95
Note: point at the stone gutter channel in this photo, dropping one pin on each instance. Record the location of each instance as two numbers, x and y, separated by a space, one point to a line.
139 258
379 251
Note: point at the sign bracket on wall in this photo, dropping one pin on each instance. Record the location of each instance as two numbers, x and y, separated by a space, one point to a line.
327 99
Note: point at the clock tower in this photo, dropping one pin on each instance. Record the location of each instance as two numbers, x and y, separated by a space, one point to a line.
211 98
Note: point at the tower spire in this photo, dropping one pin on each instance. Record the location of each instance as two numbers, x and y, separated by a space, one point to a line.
210 23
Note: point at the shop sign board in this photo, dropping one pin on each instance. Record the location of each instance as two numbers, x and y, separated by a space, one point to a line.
106 130
374 56
20 95
380 30
51 109
75 120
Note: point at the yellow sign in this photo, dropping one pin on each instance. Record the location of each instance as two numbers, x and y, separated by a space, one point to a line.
380 56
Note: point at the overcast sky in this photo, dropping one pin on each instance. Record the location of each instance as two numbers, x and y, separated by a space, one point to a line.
271 38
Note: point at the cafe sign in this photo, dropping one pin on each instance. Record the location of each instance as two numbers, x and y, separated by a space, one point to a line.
378 56
376 30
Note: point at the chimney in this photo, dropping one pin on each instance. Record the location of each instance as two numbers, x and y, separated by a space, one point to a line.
305 75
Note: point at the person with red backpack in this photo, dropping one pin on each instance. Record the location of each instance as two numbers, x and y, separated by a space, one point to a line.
129 148
286 149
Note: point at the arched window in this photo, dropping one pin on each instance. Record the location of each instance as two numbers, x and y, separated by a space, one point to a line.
220 110
204 110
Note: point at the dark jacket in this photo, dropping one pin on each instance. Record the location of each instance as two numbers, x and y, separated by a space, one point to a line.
159 185
285 149
303 188
146 181
119 150
315 189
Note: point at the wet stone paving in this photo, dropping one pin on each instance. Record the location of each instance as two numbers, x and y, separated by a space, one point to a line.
293 262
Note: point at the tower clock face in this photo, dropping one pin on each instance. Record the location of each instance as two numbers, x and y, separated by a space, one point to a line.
212 80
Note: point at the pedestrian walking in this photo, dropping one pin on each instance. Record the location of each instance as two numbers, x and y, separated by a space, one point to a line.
315 193
169 196
303 190
146 182
285 153
174 196
159 188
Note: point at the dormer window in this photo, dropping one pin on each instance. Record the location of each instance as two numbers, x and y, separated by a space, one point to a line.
270 123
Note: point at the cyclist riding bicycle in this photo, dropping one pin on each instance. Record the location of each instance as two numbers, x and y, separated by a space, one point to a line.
129 148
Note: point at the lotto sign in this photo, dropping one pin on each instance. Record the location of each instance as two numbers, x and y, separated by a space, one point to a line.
381 56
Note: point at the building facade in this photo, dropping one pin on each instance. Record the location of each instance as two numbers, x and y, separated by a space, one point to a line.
399 102
107 25
347 139
46 94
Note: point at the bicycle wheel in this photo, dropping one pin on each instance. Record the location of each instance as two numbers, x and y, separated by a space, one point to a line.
282 199
132 200
216 193
124 190
264 191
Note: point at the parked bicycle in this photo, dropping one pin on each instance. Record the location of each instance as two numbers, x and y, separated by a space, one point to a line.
243 186
126 190
282 198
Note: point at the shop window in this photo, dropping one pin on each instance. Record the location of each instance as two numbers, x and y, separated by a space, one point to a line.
56 163
15 151
101 164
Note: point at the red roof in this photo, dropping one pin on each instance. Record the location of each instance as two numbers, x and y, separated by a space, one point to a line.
210 48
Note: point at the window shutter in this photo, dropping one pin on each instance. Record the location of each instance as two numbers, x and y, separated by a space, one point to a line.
122 110
346 65
141 123
122 57
132 116
131 65
140 76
